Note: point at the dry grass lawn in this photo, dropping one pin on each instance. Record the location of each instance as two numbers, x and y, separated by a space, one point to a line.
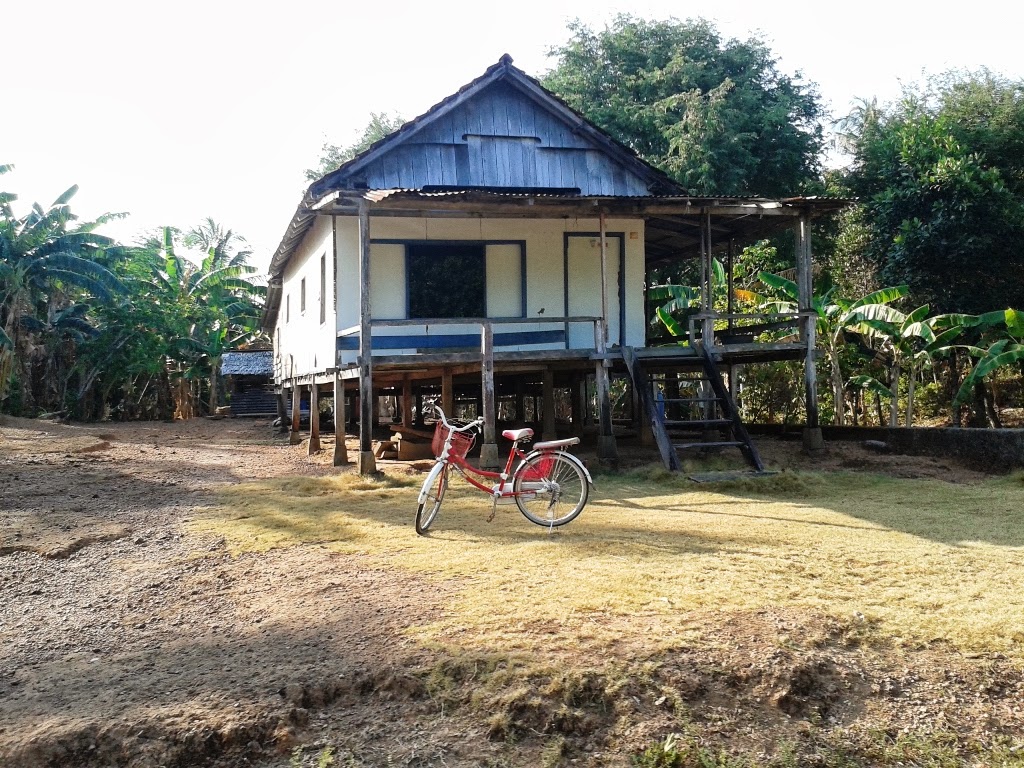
920 560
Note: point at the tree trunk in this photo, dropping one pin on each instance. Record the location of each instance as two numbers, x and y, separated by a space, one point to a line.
991 413
957 414
911 382
878 408
214 373
894 385
978 415
838 390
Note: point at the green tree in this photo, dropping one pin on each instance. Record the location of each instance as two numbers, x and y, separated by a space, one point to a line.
381 124
1002 344
163 341
717 115
50 274
216 303
941 177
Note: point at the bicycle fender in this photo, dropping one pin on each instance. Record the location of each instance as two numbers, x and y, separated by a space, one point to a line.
571 457
429 482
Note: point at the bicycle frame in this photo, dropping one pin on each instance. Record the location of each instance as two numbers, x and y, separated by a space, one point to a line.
467 471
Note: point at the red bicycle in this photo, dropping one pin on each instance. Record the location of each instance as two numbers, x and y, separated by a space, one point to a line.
550 485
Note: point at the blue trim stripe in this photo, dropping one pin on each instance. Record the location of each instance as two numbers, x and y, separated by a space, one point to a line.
454 340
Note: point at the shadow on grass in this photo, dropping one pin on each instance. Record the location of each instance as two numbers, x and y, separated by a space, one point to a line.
352 511
670 514
948 513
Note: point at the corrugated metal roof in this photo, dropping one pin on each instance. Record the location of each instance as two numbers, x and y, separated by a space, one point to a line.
379 195
247 363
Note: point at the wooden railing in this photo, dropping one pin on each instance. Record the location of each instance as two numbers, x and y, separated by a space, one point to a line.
554 331
702 326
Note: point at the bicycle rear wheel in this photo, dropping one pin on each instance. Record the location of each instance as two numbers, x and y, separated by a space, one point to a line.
432 493
551 488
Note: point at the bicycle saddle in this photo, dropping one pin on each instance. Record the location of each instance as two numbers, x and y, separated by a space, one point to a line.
518 434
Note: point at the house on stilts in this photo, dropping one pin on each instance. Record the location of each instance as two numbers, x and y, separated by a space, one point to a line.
494 252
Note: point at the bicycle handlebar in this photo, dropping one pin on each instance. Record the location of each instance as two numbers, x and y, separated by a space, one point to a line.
475 423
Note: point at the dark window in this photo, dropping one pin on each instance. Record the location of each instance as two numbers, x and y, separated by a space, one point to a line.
302 295
287 307
446 281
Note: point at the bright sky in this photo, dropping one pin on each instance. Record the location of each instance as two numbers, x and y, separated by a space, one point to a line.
181 110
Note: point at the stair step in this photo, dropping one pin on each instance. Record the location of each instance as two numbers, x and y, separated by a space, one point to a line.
713 444
694 423
690 400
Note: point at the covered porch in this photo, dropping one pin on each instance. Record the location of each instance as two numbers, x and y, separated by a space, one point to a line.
388 353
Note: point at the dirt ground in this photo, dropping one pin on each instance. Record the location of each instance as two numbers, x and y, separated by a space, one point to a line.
128 640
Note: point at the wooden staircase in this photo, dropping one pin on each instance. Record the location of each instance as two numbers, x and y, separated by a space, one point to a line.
702 415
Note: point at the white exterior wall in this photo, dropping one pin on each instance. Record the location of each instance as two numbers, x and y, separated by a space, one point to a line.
545 274
302 344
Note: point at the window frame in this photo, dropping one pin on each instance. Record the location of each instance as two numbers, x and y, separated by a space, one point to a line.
466 242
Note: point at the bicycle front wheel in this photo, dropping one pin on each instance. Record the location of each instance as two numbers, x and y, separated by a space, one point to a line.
551 488
432 494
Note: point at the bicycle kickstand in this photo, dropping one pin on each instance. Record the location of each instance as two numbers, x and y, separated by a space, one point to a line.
494 508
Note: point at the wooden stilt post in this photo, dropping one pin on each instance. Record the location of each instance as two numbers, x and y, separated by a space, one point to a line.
520 399
489 448
282 412
731 299
673 409
604 276
707 334
294 438
641 423
579 399
314 419
367 464
607 451
340 449
734 385
447 393
548 404
812 432
407 402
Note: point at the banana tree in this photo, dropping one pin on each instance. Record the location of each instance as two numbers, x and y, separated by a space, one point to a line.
47 258
680 302
1004 336
216 302
909 342
836 317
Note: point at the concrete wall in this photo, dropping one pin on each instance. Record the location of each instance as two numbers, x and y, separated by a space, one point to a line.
988 450
302 344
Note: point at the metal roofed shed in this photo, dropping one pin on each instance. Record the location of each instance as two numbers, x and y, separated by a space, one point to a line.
248 363
249 382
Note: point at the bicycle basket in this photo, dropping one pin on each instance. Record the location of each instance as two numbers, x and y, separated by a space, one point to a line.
462 442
